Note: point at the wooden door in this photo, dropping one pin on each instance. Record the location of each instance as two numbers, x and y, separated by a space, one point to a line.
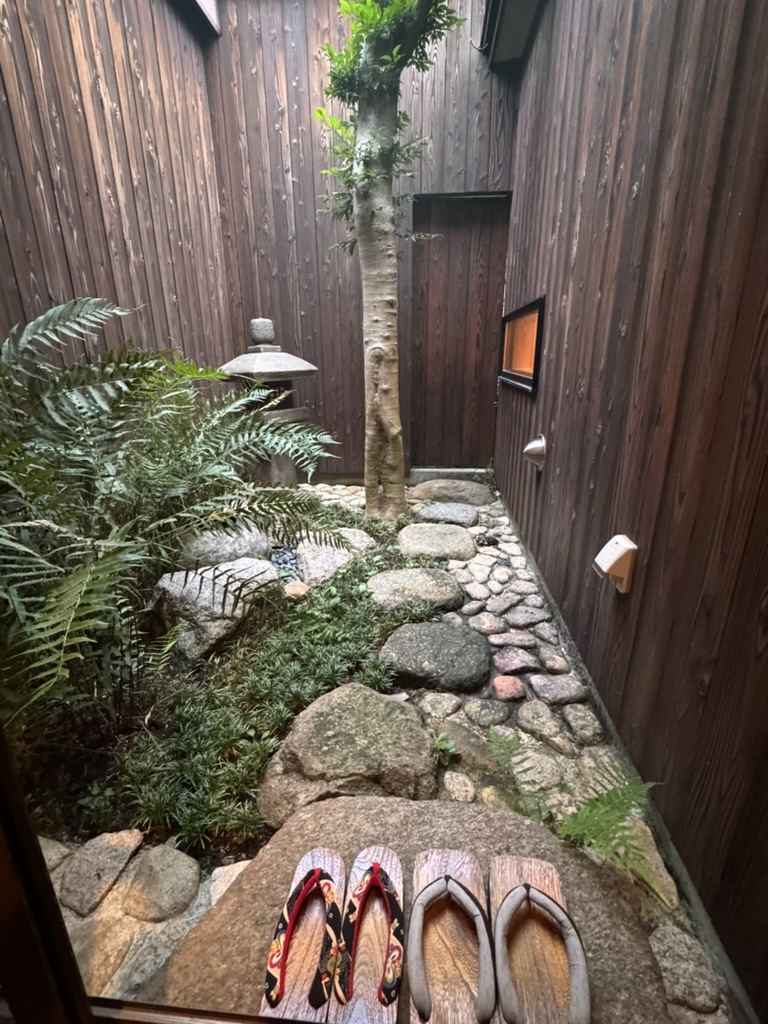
456 306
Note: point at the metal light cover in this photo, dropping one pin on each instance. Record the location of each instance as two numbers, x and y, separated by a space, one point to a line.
535 451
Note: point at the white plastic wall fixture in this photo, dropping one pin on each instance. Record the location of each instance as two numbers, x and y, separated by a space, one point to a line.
616 561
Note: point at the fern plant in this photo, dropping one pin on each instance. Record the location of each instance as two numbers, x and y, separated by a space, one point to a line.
604 823
107 465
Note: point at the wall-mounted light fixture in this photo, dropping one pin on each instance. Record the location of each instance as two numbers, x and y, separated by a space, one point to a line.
616 561
535 451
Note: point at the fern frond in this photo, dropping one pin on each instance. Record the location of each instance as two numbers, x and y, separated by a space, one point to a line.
606 823
75 611
74 320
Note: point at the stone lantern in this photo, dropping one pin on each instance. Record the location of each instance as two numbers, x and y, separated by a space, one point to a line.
265 361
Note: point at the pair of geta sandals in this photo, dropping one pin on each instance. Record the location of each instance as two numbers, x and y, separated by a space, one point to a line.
346 967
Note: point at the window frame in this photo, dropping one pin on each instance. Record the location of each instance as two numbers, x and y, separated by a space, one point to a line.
523 381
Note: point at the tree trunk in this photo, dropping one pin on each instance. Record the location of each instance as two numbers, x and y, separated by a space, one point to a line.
377 246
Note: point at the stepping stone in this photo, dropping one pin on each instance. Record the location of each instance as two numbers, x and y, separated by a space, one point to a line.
538 720
486 712
438 656
473 608
558 689
486 623
223 877
584 724
92 870
508 688
501 604
478 592
465 492
396 587
686 970
220 964
448 512
522 617
552 660
522 587
164 884
514 638
514 659
437 540
547 632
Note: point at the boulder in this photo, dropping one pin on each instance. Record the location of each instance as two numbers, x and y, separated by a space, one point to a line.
437 540
448 512
164 884
350 741
624 979
438 656
686 969
214 546
316 563
463 492
53 852
211 601
92 870
396 587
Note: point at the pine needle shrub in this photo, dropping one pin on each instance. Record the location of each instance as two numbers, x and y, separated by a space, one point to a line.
195 772
107 466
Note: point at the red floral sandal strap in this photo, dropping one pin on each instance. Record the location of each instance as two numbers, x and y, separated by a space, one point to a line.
389 987
281 942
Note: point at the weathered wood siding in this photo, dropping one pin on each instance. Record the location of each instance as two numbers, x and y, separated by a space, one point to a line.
107 176
266 77
453 327
640 209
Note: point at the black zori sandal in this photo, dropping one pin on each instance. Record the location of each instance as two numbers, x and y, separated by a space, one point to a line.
359 977
308 931
485 1000
579 1005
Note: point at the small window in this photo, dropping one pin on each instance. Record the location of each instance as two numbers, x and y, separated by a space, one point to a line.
521 333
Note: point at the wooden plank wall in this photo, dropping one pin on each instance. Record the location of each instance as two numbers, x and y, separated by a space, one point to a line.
266 76
640 209
107 177
458 290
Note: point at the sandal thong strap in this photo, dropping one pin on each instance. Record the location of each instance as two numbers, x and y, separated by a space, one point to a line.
485 1000
281 942
375 877
579 1004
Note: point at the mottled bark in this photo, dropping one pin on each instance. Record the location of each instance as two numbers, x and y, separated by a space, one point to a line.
377 247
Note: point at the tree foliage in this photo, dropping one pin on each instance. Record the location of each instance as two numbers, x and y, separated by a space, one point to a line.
107 466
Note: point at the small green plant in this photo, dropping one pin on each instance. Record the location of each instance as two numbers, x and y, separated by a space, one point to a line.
445 747
98 807
604 823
